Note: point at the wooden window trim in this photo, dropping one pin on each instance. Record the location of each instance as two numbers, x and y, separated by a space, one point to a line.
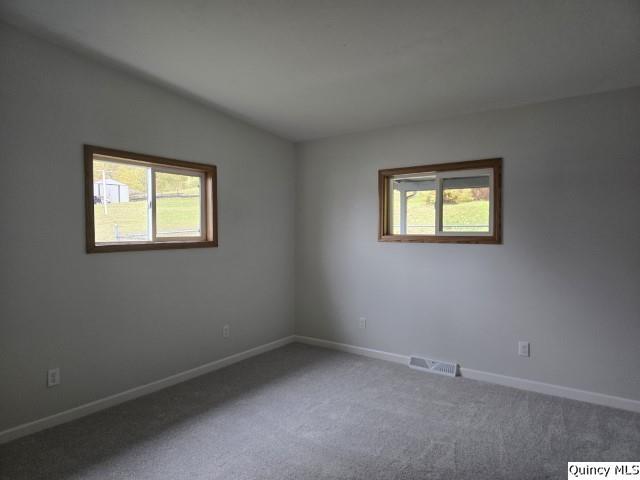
384 226
210 216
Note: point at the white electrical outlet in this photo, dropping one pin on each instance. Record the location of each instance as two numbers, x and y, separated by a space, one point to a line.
225 331
523 349
53 377
362 322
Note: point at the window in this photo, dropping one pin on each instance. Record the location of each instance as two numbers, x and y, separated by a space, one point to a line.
447 203
141 202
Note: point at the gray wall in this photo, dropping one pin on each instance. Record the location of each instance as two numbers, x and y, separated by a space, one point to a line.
567 277
118 320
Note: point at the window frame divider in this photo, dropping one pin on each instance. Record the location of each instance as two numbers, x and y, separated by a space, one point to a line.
151 204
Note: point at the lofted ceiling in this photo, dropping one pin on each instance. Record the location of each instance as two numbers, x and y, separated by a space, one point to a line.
308 69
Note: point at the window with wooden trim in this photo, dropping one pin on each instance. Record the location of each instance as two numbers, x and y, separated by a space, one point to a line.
447 203
143 202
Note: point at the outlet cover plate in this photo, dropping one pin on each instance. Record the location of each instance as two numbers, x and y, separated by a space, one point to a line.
53 377
523 349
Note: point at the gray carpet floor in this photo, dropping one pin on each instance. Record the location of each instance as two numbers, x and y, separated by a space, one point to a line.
302 412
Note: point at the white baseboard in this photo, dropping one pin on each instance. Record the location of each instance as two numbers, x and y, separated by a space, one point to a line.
112 400
103 403
514 382
556 390
345 347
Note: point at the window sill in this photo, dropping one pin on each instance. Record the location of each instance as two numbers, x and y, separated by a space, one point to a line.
478 239
138 246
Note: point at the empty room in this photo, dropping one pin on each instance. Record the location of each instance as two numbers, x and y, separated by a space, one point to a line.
320 239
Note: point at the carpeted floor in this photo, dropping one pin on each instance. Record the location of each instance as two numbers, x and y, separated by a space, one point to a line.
301 412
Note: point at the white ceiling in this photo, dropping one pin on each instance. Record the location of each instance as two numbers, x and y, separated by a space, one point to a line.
307 69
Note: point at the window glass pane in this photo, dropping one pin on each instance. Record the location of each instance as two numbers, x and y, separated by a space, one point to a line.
120 202
421 212
465 205
395 209
413 205
178 202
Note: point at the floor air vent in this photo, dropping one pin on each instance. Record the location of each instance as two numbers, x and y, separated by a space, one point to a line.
434 366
